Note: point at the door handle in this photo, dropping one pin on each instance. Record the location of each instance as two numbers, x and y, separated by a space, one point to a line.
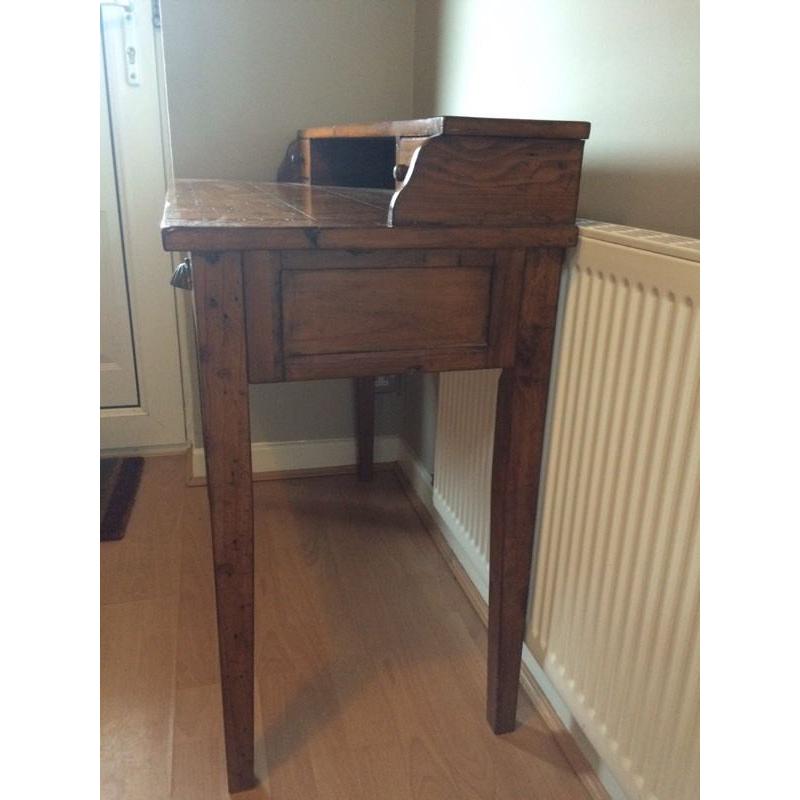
130 44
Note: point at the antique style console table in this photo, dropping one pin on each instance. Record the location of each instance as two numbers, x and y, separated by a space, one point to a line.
430 245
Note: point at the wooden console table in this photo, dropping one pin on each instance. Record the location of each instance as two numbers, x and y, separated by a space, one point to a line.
427 245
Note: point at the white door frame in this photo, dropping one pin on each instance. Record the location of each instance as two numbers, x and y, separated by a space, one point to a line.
144 163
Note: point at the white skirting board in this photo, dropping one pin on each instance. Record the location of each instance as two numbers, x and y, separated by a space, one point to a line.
422 483
308 454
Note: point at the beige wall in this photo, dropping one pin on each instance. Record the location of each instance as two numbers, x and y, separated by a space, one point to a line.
242 77
629 67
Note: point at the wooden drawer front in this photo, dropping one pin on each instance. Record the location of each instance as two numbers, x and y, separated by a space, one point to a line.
369 310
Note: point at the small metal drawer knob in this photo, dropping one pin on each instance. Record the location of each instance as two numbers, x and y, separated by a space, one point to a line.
182 277
400 171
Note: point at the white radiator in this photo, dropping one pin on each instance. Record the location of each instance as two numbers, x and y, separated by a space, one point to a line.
614 620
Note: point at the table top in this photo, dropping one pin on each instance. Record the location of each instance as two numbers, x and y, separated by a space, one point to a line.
204 214
456 126
249 204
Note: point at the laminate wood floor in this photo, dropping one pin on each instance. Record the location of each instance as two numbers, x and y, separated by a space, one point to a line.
370 661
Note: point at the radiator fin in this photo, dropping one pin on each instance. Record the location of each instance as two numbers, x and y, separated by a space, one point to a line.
614 617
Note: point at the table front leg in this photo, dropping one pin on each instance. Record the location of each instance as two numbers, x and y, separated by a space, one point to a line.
226 437
518 445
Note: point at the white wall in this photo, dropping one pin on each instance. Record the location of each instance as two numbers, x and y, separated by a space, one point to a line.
242 77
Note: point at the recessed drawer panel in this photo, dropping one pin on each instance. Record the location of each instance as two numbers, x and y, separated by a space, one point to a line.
364 310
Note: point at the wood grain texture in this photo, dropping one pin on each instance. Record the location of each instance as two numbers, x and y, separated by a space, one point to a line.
364 391
219 309
480 180
562 735
261 204
450 236
462 126
371 664
261 274
356 299
137 669
363 310
139 623
507 279
519 436
147 568
369 670
388 259
215 215
348 365
222 238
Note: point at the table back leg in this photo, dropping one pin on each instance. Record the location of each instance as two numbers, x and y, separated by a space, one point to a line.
365 425
518 444
226 438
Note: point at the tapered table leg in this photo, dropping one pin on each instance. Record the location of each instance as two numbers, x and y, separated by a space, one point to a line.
519 433
365 425
226 437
